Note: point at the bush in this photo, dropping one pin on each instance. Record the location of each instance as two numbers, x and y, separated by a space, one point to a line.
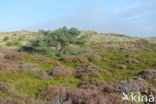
20 38
6 38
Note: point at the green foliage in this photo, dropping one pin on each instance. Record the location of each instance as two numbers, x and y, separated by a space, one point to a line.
54 43
144 41
20 38
106 77
6 38
36 46
147 60
10 44
28 84
29 59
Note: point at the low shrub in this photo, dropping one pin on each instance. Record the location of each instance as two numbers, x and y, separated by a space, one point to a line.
10 44
6 38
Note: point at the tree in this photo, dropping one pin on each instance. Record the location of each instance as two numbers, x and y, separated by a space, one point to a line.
57 40
63 37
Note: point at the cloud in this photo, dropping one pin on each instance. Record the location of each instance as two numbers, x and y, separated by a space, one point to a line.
139 10
139 19
134 20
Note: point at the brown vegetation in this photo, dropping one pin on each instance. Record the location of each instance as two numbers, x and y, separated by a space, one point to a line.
120 66
94 58
61 70
78 59
148 74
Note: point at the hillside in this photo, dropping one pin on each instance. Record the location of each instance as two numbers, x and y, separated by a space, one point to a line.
114 64
21 37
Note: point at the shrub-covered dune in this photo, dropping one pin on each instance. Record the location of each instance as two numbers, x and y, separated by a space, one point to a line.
69 66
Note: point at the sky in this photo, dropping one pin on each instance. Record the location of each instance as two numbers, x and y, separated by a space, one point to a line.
131 17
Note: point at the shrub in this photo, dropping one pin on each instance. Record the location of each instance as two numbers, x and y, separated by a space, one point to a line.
20 38
6 38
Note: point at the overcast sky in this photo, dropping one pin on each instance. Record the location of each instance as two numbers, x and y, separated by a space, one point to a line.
131 17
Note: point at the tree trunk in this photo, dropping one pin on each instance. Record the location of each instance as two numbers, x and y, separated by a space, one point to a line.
62 48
